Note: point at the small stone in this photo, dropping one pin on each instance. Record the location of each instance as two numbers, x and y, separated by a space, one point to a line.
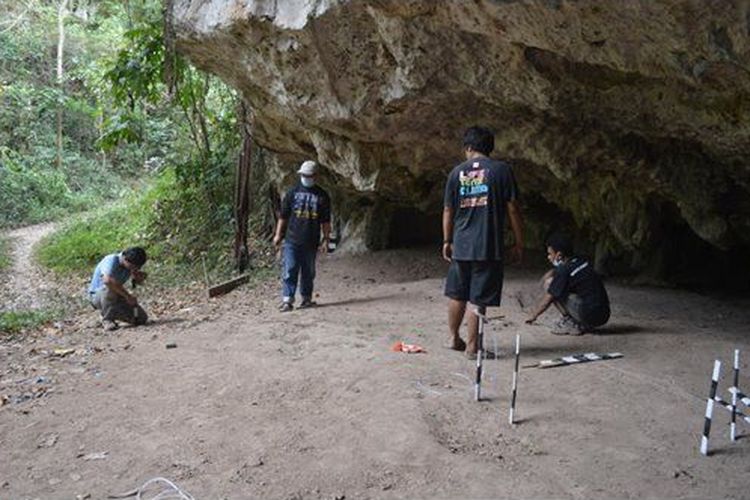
75 477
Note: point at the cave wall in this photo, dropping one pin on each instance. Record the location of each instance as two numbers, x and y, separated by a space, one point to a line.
626 121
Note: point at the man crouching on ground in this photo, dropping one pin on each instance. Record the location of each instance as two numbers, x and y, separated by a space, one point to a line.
575 288
478 193
107 291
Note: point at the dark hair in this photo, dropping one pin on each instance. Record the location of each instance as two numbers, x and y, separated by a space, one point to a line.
135 255
479 139
561 243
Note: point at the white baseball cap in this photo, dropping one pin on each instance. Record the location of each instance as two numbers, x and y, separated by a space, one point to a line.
308 168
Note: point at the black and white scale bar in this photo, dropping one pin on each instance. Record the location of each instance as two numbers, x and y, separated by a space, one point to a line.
736 394
514 388
742 398
710 407
575 359
728 406
481 316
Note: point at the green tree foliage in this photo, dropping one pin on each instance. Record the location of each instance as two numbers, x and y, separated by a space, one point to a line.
31 188
188 127
121 122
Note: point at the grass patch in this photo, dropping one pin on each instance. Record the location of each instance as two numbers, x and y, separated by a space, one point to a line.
176 224
5 260
12 322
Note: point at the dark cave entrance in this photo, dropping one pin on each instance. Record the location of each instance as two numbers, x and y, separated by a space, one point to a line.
410 227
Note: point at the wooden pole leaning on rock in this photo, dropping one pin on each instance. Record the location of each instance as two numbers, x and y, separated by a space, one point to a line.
227 286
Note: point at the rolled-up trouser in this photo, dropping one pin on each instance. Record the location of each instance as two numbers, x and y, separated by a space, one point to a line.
114 307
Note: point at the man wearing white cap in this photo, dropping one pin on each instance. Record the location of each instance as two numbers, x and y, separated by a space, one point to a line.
305 213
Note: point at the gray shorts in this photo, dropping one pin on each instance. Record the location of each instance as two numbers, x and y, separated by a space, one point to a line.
114 307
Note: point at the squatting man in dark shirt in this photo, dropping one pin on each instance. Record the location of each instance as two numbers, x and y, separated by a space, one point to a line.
574 288
305 213
478 193
107 292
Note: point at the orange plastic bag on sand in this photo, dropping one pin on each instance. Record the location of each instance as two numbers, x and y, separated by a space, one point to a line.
408 348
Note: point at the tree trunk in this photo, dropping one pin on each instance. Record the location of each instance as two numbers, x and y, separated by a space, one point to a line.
61 13
242 193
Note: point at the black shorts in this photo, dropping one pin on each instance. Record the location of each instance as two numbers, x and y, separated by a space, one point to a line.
591 316
478 282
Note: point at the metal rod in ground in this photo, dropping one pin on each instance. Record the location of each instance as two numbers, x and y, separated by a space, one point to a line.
735 386
515 380
480 312
710 407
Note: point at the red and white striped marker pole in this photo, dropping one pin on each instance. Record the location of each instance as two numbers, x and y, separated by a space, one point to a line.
710 407
515 381
735 386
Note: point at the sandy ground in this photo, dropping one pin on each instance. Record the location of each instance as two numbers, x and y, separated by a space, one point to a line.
253 403
25 286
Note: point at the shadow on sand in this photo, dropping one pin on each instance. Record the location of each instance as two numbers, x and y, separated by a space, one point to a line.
354 300
621 329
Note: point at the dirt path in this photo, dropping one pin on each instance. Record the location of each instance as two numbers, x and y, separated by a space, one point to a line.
253 403
25 286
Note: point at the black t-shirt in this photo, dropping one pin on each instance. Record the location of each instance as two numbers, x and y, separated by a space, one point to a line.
577 276
305 209
477 191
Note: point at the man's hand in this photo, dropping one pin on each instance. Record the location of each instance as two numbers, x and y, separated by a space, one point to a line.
139 277
448 251
277 238
323 248
131 299
516 254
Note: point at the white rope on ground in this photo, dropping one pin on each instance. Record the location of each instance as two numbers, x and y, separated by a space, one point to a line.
170 491
167 491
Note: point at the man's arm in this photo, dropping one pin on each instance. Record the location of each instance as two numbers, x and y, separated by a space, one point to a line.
516 224
115 286
448 233
280 231
543 305
325 228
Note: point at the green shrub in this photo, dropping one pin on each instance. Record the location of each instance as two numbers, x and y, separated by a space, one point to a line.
171 219
4 253
16 321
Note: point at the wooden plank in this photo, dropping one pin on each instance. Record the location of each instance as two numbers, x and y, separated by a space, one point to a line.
228 286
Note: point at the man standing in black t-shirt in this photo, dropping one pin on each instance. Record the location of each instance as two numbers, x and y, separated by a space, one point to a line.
575 288
478 193
305 213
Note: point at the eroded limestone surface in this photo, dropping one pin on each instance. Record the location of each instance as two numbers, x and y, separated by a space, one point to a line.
628 121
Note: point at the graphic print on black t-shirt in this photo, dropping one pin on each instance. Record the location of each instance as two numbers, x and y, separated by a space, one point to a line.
473 188
305 205
305 209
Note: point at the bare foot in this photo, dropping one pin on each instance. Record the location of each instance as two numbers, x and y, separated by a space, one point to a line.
458 344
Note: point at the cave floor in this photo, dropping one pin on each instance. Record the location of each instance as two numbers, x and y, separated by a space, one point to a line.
253 403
